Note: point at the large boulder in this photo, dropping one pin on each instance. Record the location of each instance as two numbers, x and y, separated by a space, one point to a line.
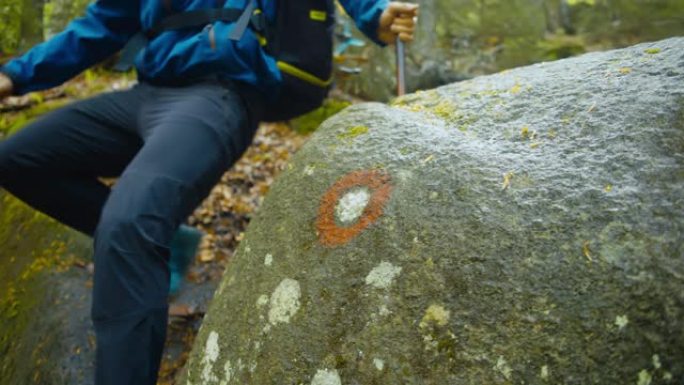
524 227
46 335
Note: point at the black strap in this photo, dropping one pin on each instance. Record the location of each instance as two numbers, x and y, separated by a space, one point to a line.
130 50
194 19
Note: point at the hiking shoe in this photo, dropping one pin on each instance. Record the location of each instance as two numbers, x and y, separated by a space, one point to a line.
183 250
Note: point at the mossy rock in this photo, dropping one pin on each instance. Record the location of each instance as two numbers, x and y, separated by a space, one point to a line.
45 331
524 227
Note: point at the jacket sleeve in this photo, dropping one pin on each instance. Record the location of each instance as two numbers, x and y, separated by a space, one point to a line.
366 14
105 29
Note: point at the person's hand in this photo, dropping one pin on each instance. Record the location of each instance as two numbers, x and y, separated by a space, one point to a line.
398 19
6 86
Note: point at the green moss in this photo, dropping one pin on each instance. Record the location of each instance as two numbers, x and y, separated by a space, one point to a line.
652 51
36 252
561 46
11 124
446 111
308 123
353 132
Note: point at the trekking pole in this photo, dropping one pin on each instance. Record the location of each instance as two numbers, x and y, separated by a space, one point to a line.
401 68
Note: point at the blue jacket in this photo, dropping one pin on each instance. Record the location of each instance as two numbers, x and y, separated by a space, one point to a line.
109 24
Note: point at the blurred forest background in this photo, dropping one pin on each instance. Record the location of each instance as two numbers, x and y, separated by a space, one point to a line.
457 39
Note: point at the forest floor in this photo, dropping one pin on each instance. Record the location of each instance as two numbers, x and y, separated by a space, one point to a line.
223 216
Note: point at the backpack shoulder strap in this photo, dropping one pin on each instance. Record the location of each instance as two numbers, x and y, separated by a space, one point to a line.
193 19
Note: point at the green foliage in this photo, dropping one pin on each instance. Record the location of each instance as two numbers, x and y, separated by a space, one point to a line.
519 32
58 13
624 22
11 123
10 25
561 46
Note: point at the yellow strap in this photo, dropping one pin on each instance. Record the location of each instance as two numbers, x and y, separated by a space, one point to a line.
262 40
318 15
303 75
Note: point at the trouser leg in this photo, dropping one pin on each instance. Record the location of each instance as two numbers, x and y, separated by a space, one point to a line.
53 163
191 136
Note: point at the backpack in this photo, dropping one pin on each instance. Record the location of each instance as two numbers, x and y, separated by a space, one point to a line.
300 39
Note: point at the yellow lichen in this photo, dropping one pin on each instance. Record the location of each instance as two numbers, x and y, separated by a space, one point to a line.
644 378
435 314
445 110
507 177
353 132
652 51
586 251
625 70
526 133
551 134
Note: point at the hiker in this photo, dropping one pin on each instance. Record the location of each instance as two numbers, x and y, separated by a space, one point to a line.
203 88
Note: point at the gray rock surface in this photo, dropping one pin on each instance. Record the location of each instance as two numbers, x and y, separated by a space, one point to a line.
46 335
524 227
45 330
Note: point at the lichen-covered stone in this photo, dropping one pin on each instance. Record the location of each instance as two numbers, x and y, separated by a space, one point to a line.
45 330
533 233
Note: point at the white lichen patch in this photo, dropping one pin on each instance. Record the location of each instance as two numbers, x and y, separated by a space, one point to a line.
384 311
211 354
227 373
262 300
644 378
351 205
326 377
268 260
212 349
544 372
621 321
404 176
503 367
656 361
284 301
435 314
309 170
382 275
379 364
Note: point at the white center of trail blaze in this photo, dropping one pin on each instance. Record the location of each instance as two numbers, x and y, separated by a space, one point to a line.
284 301
326 377
382 275
351 205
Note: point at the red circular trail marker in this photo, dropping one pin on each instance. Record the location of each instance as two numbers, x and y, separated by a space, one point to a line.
329 232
